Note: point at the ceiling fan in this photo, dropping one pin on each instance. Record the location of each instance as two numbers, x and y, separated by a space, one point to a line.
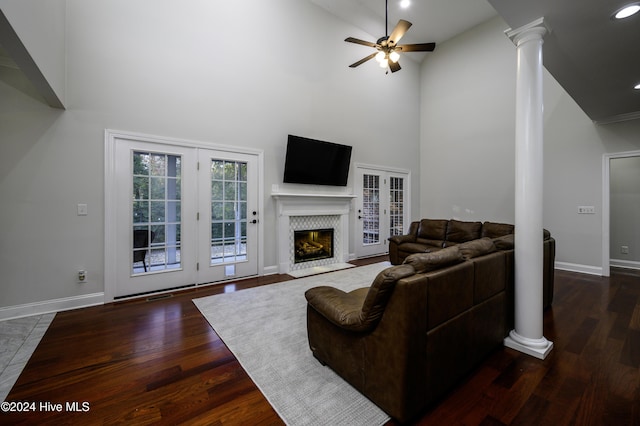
387 47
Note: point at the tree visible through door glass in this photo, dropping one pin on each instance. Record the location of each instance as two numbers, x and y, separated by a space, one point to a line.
228 211
156 212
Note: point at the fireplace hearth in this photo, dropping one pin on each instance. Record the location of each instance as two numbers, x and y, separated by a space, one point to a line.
313 244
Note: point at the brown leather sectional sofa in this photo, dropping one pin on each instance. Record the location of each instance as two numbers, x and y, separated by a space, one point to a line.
428 235
421 327
433 234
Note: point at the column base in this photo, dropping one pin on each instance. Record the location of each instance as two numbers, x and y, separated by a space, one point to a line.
538 348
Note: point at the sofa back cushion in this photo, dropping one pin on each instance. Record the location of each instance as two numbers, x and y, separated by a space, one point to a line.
379 294
505 242
425 262
495 230
460 232
475 248
432 229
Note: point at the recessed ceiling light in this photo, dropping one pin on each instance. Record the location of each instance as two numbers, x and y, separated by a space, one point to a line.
637 86
405 4
628 10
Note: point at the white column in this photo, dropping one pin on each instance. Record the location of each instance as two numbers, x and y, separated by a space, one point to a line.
527 336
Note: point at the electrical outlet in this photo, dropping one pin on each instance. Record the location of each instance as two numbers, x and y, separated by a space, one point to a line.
624 249
586 210
82 276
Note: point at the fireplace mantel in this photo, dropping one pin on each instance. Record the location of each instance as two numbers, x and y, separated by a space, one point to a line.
296 204
310 204
294 195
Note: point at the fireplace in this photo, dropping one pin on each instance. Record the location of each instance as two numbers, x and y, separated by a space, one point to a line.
312 212
313 244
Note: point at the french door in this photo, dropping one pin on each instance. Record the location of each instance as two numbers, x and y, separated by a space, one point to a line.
382 208
181 215
228 216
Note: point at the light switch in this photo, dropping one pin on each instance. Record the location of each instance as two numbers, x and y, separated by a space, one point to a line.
82 210
586 210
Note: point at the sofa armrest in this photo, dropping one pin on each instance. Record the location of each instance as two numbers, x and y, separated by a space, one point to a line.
409 237
361 309
341 308
399 239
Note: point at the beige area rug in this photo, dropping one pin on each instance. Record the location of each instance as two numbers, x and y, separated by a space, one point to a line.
315 270
265 328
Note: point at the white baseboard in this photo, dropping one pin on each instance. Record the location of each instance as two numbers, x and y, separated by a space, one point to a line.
270 270
575 267
49 306
628 264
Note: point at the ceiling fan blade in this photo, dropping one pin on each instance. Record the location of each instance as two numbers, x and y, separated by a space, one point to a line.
420 47
401 27
363 60
362 42
394 66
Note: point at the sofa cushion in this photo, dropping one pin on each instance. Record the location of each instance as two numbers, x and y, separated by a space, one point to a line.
429 243
476 248
432 229
460 232
504 243
413 248
425 262
494 230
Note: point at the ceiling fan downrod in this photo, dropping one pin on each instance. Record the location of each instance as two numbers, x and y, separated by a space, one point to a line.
386 18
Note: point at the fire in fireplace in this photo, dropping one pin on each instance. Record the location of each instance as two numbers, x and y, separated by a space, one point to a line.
313 244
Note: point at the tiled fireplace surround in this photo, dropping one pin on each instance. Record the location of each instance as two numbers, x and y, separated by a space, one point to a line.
311 211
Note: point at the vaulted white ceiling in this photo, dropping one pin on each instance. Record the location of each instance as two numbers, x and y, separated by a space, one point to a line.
595 58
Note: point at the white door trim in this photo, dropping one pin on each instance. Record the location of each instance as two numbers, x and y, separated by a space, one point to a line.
388 172
111 137
606 206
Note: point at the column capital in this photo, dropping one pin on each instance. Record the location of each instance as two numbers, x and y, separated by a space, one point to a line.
533 30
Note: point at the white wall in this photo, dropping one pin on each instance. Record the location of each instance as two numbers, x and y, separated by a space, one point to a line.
468 126
467 145
243 74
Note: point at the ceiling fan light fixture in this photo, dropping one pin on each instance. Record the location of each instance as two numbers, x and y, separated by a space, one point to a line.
626 11
386 45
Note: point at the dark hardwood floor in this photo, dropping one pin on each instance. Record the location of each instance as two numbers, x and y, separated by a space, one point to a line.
159 362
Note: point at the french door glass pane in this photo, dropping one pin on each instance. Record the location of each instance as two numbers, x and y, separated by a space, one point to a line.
156 212
396 206
228 211
370 209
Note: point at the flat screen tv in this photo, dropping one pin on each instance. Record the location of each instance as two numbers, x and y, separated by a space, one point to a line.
316 162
